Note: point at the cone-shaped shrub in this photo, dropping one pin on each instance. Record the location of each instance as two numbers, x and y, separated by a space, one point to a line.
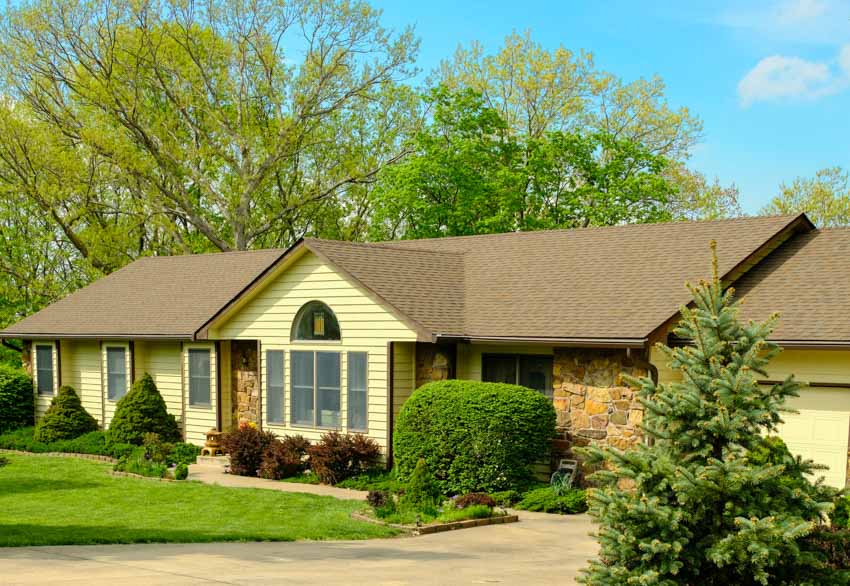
16 399
710 500
64 419
142 411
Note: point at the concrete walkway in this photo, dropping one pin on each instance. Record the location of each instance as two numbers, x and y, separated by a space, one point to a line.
216 475
540 549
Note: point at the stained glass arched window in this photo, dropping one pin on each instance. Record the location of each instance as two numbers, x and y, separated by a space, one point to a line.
315 321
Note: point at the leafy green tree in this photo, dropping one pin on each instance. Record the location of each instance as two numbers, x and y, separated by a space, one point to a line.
468 174
824 197
701 502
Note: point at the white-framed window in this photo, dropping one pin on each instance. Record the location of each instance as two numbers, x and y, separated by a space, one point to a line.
358 391
315 381
274 386
44 369
200 377
116 372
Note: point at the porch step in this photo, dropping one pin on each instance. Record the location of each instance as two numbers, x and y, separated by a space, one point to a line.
217 461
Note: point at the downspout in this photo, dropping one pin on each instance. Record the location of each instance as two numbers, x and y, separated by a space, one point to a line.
390 407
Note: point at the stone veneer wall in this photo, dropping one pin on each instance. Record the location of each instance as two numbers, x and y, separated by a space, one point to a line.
245 388
26 357
592 401
434 362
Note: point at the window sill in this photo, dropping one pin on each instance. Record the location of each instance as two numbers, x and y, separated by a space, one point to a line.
199 405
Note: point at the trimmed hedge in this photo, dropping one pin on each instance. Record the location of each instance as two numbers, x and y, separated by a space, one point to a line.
474 436
96 443
65 418
141 411
17 399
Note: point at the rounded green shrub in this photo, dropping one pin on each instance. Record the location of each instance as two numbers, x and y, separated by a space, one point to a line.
181 472
474 436
64 419
421 491
142 411
17 403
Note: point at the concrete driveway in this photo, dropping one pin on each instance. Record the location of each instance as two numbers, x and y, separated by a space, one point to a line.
540 549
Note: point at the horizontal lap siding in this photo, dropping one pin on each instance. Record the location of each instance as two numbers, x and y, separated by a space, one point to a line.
81 370
364 324
404 355
162 361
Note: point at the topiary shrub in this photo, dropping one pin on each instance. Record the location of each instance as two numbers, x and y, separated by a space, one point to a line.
142 411
475 437
64 419
246 445
337 456
17 403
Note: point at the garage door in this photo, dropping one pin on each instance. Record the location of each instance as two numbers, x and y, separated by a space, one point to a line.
820 436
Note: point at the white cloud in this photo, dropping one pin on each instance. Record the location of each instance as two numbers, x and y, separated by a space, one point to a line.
816 22
779 77
800 11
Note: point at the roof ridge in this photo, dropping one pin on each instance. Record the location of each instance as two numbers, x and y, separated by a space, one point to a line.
386 245
629 226
220 252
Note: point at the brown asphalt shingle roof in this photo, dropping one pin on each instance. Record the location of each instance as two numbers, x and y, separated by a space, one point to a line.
806 280
168 296
613 282
618 282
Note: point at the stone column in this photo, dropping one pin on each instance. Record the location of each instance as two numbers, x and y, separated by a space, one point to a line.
434 362
245 388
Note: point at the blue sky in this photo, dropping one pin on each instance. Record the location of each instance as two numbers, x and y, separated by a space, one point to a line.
770 78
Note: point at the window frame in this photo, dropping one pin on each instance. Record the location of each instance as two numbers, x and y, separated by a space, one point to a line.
364 429
518 356
266 379
314 353
210 378
52 347
126 350
301 313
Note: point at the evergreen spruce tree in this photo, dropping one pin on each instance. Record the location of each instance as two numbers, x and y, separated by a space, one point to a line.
142 411
698 503
66 418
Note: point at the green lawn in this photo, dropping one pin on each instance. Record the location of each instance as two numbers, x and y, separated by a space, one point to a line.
53 501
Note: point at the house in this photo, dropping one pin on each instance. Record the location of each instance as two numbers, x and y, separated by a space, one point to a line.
336 335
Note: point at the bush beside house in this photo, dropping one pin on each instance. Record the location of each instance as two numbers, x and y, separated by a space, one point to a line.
66 418
141 411
474 436
17 403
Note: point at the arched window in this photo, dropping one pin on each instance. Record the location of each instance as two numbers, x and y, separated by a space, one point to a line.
315 321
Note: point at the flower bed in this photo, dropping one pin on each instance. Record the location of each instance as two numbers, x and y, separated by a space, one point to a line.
498 518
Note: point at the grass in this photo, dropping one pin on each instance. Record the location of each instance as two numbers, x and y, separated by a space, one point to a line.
63 501
375 480
308 478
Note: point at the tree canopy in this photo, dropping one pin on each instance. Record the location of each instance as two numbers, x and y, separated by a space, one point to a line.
824 197
173 127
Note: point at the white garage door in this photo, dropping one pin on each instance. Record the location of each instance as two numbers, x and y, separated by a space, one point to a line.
820 436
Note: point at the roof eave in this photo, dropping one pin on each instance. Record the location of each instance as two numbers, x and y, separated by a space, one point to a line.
576 342
90 336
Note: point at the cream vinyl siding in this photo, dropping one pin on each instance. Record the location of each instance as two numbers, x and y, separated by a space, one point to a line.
469 356
42 402
162 361
365 326
199 418
819 431
81 369
404 373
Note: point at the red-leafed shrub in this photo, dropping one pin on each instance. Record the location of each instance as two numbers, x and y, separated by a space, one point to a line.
246 445
339 456
474 498
284 458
